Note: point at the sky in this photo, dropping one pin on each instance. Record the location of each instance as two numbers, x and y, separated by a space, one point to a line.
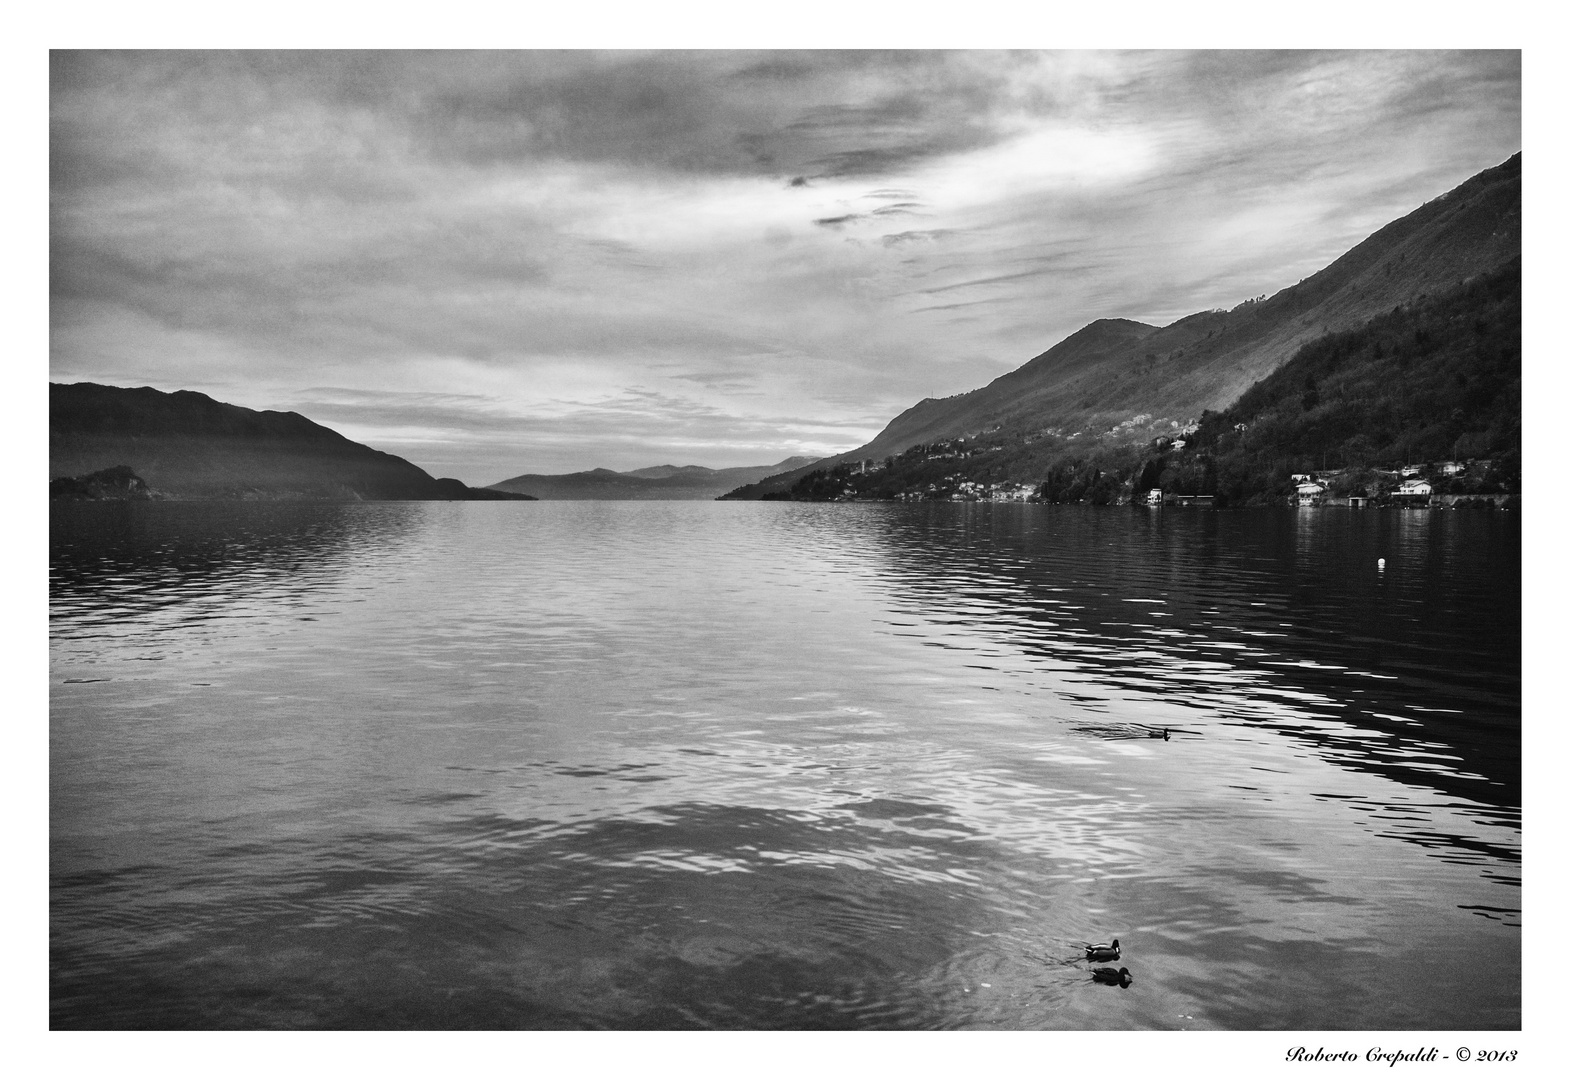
539 262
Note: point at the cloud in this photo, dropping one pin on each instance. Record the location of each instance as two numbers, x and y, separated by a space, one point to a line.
720 378
994 280
963 304
898 208
915 236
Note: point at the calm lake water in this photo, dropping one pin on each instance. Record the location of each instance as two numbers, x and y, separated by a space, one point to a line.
765 765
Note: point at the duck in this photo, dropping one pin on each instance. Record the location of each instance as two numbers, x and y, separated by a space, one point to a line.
1103 951
1119 977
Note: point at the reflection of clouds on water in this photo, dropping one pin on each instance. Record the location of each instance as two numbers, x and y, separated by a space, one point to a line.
692 915
776 766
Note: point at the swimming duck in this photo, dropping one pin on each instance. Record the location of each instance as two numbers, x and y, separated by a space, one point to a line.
1103 951
1120 977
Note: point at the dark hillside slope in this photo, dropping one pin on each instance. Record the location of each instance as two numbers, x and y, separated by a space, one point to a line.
654 482
1439 380
187 445
1125 369
1080 355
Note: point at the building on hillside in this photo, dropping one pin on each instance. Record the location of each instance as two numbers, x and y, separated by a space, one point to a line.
1414 492
1310 494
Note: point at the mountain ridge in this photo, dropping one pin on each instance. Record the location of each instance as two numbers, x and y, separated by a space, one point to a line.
1112 371
186 445
651 482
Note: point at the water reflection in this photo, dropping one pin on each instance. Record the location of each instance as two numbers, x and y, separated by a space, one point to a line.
118 564
689 916
1270 620
774 766
1272 624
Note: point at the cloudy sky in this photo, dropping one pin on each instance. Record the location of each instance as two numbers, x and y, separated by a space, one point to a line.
539 262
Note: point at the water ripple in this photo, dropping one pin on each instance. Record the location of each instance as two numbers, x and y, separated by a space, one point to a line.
672 765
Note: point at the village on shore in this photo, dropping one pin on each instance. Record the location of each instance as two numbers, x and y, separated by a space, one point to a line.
1470 484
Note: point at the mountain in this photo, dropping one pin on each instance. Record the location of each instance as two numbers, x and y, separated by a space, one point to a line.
1437 381
186 445
1129 381
654 482
661 472
1432 388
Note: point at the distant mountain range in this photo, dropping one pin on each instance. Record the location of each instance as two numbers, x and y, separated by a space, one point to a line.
1128 382
185 445
654 482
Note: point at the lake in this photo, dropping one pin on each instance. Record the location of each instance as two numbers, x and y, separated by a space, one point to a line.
783 765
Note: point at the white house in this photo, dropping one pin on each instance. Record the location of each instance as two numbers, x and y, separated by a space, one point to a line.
1415 492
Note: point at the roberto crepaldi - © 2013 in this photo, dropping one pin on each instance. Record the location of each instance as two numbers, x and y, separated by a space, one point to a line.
1376 1053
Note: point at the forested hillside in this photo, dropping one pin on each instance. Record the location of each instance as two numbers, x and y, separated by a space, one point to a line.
1438 380
1431 381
